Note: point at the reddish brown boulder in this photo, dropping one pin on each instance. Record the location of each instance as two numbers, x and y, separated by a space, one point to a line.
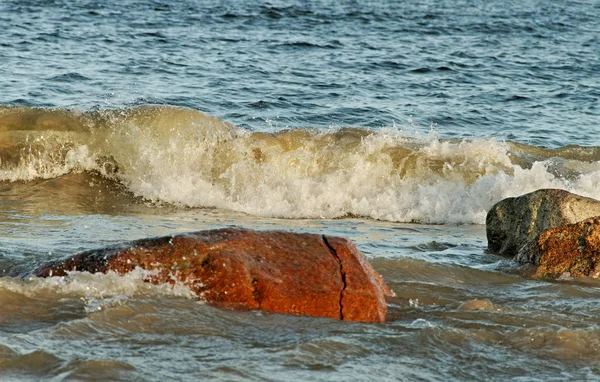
279 272
572 250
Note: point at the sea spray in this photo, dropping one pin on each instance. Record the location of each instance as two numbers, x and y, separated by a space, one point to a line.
92 286
186 158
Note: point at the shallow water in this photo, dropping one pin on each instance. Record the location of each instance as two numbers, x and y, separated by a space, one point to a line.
395 125
459 312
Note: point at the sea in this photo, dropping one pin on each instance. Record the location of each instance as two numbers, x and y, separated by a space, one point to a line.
396 124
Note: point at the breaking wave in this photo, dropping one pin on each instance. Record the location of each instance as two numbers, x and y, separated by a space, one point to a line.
184 157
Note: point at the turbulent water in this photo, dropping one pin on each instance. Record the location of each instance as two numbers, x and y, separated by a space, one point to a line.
397 125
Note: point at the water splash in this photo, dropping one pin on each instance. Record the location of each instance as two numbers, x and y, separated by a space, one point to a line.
187 158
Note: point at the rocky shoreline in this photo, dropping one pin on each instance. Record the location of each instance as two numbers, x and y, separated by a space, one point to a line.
325 276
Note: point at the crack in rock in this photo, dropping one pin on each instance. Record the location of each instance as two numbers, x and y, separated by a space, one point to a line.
342 274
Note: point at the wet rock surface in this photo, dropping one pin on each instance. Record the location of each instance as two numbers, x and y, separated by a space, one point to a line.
572 250
514 223
281 272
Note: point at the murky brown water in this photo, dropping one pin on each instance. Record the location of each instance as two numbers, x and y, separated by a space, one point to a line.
459 312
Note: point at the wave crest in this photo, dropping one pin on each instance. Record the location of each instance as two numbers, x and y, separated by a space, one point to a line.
184 157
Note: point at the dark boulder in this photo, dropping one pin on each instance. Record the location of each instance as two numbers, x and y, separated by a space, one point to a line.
513 223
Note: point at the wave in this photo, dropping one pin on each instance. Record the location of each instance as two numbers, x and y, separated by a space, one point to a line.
184 157
95 291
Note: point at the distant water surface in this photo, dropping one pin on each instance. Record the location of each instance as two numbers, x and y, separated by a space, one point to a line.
518 70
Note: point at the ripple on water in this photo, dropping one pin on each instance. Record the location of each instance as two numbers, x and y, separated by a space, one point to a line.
97 369
38 363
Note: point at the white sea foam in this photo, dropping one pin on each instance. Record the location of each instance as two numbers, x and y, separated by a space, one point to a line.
48 156
94 287
434 182
184 157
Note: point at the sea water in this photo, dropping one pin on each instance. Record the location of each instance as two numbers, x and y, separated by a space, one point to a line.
397 125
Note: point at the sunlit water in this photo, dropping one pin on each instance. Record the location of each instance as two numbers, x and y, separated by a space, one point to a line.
395 125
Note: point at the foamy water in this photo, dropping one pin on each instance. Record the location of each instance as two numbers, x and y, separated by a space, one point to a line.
187 158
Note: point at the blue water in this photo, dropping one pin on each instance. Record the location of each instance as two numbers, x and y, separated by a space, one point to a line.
517 70
453 106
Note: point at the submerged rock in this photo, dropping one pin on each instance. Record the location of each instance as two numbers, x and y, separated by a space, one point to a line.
571 250
477 304
513 223
281 272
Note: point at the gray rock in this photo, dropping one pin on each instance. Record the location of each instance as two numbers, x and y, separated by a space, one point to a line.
512 223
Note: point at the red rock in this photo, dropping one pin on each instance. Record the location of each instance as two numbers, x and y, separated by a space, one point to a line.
279 272
572 250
